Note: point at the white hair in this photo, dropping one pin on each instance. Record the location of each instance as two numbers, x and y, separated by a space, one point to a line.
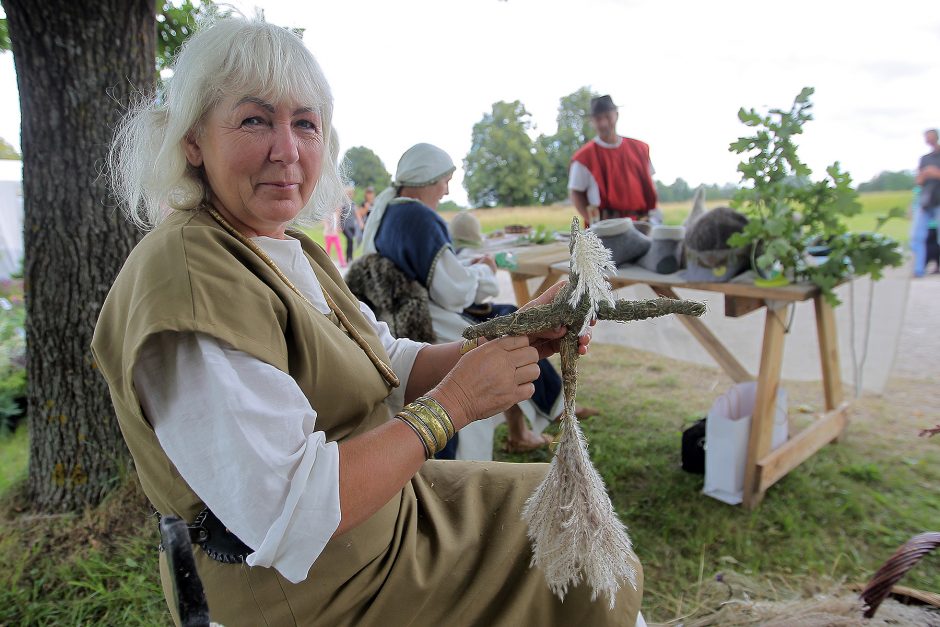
227 56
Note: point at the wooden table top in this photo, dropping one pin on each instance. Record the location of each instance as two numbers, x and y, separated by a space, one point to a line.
535 261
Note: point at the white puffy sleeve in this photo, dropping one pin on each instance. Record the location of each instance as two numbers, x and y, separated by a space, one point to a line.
579 177
243 436
455 286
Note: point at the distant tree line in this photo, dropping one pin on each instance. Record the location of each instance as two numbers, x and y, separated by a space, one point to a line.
506 167
889 182
680 191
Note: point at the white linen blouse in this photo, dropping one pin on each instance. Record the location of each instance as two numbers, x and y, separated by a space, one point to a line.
455 285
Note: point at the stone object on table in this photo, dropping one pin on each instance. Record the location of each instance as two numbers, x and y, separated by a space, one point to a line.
665 249
709 258
621 237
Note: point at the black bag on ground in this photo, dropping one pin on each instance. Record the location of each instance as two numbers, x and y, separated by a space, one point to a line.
693 448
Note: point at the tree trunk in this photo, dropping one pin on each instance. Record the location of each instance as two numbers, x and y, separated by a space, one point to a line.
78 65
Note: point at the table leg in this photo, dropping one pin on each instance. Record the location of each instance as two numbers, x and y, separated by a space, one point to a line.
550 279
829 353
520 286
762 420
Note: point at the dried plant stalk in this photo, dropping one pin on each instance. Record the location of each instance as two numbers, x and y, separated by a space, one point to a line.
574 530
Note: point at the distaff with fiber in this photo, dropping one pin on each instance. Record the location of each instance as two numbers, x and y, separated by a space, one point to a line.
574 530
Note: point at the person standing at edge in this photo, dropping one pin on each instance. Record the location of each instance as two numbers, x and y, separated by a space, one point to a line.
928 177
611 176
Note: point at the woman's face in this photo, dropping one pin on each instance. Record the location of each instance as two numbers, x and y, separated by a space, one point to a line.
438 190
262 161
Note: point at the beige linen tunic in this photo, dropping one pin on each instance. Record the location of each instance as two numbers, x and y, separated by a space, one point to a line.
449 549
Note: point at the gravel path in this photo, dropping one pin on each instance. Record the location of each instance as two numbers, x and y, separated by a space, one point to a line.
918 355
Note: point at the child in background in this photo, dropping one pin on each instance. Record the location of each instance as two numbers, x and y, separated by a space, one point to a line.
352 223
465 233
331 232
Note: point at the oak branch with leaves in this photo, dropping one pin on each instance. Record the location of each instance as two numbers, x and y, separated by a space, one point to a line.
574 530
790 212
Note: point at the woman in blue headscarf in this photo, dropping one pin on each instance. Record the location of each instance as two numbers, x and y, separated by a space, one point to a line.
405 227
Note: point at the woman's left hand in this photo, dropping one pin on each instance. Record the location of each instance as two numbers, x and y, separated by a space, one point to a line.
549 342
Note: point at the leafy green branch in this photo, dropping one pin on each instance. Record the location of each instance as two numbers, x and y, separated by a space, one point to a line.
789 212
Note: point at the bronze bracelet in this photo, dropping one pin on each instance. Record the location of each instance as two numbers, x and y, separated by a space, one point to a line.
430 422
440 412
423 433
469 345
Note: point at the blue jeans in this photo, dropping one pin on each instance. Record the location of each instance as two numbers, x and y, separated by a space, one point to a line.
919 228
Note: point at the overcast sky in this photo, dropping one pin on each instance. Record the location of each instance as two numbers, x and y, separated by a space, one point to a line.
426 70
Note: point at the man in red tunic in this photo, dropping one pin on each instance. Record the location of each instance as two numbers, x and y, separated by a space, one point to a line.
611 176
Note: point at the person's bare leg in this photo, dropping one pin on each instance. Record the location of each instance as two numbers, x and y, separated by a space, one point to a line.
521 438
582 412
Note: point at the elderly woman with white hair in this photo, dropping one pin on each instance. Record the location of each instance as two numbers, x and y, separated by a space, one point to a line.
258 397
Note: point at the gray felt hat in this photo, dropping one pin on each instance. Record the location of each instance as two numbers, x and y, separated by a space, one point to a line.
625 242
665 253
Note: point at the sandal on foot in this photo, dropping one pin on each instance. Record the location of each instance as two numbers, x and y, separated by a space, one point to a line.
527 447
586 412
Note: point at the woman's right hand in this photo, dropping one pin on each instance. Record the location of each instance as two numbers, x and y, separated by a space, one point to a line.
489 379
487 260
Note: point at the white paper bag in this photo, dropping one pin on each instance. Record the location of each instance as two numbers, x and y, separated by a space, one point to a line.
726 435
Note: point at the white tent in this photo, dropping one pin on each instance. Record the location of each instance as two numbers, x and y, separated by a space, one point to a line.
11 217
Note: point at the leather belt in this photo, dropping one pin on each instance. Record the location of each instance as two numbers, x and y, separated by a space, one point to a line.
209 534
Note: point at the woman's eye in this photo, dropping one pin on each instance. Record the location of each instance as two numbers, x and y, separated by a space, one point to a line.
308 125
253 121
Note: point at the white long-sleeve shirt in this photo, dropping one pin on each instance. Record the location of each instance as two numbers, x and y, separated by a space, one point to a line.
455 285
243 435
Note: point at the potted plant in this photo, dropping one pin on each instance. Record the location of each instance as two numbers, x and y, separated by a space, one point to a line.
791 215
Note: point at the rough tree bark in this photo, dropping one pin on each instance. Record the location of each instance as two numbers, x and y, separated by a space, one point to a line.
78 65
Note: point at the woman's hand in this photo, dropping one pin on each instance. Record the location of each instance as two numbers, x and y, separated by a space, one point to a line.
549 342
485 259
489 379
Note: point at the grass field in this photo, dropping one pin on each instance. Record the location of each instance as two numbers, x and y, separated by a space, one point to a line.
14 449
559 217
833 520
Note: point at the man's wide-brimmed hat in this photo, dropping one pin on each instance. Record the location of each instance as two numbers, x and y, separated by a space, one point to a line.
602 104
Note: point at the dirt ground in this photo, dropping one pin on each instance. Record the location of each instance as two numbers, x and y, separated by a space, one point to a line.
919 345
912 396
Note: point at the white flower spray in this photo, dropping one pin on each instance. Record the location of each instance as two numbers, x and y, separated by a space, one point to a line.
591 262
575 533
574 530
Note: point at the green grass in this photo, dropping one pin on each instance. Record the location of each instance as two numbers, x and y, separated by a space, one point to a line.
835 518
95 568
14 449
559 217
875 204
